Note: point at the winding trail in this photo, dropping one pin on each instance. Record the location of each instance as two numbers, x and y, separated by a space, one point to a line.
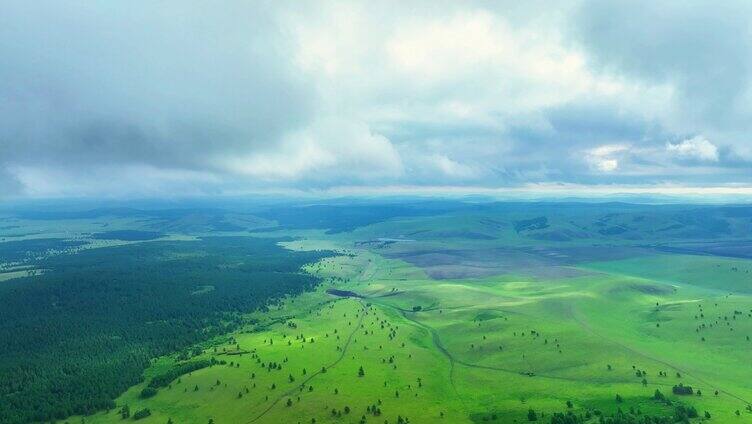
368 273
439 345
291 391
456 361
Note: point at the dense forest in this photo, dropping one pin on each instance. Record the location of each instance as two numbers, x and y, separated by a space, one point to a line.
76 337
127 235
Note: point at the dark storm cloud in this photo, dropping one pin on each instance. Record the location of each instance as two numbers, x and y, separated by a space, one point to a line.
595 123
167 84
9 185
194 97
702 48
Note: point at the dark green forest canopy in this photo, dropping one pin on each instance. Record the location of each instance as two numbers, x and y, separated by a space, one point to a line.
127 235
82 333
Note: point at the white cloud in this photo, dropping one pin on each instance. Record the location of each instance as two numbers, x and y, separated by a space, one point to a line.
334 93
442 48
697 147
607 165
607 149
604 158
328 149
366 56
452 168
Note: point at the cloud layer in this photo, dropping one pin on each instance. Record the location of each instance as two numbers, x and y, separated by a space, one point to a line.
179 97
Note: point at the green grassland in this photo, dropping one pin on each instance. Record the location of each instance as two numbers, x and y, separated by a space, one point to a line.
476 350
724 274
476 316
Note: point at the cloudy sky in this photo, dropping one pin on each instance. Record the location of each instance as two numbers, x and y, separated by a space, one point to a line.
157 98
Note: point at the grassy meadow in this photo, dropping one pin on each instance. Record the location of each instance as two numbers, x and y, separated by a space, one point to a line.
472 317
473 350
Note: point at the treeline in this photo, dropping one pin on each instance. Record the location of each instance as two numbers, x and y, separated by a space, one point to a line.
681 389
77 336
164 379
681 414
127 235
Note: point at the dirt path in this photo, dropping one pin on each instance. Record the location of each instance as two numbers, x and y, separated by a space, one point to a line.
369 271
453 360
439 346
293 390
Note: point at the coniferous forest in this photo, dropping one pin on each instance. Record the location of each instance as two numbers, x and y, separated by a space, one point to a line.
81 333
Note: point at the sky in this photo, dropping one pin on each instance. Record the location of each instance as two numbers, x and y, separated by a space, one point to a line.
182 98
